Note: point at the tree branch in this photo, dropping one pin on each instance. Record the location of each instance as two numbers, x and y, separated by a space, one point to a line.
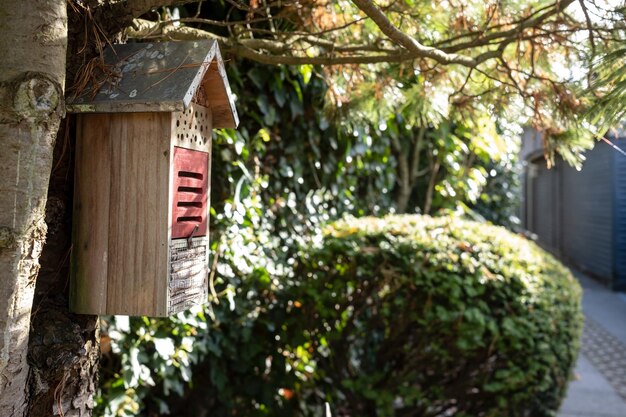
294 48
279 52
412 45
136 8
506 37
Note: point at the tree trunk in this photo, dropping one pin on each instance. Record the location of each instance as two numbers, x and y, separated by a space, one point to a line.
408 170
404 186
403 193
57 376
32 77
431 186
63 348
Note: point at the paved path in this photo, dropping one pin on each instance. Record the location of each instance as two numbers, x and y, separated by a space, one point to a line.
599 389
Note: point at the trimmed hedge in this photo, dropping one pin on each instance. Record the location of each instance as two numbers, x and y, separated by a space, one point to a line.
421 316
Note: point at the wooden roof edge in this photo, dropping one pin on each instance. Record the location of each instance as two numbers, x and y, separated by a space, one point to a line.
219 94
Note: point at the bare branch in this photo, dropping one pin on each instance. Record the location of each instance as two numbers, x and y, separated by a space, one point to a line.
412 45
220 23
330 59
280 53
136 8
591 37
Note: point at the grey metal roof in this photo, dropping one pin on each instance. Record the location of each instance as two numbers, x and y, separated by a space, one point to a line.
152 77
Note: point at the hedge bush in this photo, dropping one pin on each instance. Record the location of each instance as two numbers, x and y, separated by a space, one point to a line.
421 316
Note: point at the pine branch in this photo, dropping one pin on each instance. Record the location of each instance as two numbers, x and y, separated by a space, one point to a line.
412 45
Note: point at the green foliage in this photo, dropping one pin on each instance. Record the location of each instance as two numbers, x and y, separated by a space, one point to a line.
410 315
441 147
609 86
289 168
404 315
500 197
141 353
296 148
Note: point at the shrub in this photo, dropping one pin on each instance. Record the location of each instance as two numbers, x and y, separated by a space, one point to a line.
421 316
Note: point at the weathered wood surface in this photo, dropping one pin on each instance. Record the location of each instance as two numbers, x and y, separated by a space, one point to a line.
162 77
123 204
189 272
92 194
189 211
193 128
219 96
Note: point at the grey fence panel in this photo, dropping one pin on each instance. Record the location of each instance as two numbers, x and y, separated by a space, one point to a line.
543 204
587 213
619 249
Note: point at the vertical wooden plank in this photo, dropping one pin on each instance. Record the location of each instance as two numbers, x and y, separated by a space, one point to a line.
164 204
138 238
208 214
88 290
116 213
174 122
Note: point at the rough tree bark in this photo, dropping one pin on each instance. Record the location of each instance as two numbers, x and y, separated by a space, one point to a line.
32 77
51 371
63 349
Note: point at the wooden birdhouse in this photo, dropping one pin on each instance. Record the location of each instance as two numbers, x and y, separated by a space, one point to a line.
143 178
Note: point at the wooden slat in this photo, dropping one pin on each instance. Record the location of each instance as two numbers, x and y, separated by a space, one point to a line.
195 162
138 218
91 215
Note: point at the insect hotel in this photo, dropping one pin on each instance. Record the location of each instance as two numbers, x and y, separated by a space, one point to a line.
142 179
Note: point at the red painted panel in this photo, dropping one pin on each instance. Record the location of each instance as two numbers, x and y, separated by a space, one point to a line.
189 211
